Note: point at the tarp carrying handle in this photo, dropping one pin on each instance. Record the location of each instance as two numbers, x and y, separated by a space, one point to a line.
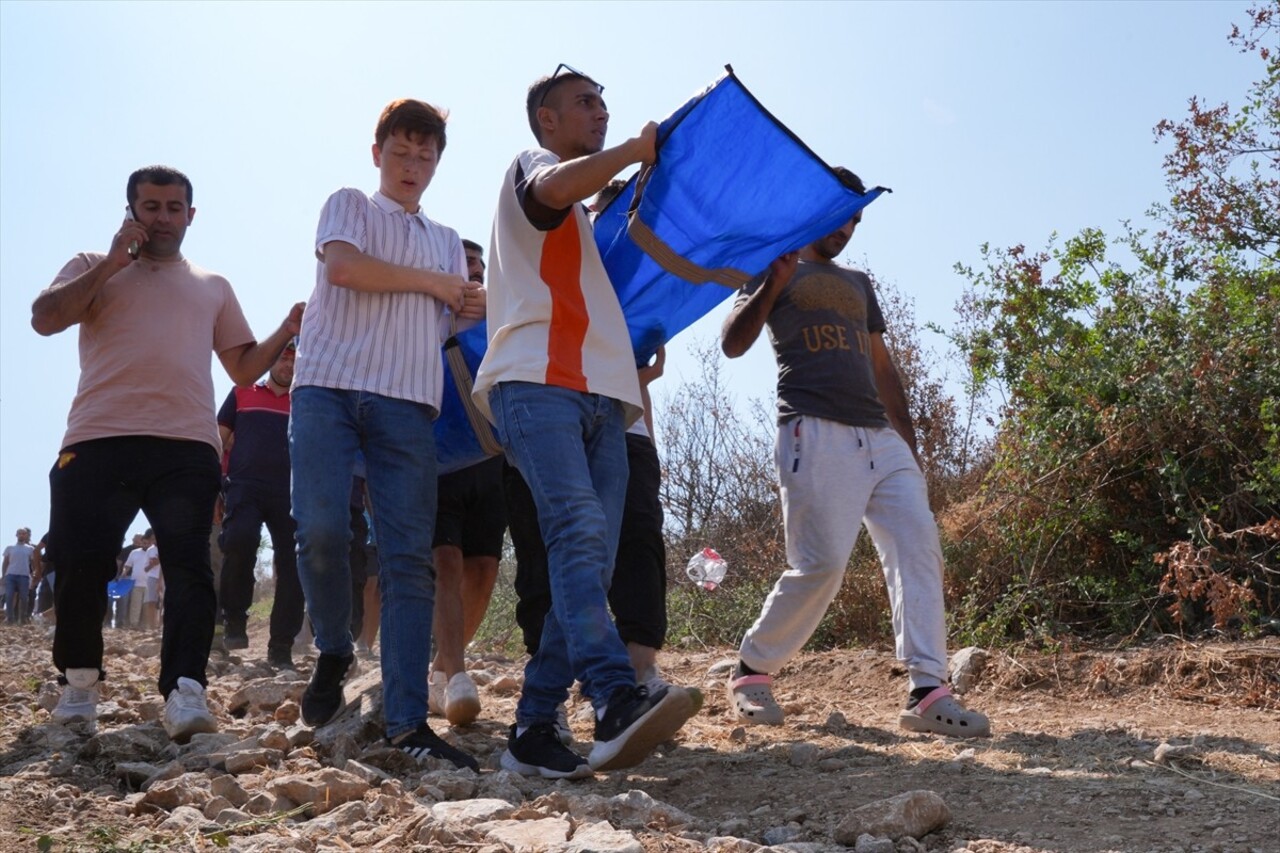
665 256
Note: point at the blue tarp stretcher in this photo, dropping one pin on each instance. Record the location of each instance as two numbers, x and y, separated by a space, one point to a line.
731 190
463 436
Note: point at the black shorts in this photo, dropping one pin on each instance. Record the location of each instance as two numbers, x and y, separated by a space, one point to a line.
471 512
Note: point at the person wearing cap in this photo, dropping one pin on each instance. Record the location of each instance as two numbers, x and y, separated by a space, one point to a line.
559 384
254 426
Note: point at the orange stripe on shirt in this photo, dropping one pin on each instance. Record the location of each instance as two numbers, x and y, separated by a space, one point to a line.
561 269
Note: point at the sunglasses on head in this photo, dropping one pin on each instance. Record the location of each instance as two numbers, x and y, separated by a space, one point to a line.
563 70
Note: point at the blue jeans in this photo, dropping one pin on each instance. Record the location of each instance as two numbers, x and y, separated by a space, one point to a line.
326 428
16 589
569 447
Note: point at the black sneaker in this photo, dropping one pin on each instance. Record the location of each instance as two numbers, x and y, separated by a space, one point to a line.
540 752
424 743
635 722
235 636
280 656
323 697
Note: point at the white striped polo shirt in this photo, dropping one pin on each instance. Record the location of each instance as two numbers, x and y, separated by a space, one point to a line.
384 343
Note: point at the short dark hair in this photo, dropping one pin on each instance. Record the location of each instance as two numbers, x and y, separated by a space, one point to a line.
149 534
850 180
414 119
161 176
541 89
473 246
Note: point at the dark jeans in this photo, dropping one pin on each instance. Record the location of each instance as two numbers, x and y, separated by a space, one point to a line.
249 505
638 593
96 490
364 564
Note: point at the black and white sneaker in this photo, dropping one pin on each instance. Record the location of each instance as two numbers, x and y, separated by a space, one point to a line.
540 752
636 721
323 697
423 743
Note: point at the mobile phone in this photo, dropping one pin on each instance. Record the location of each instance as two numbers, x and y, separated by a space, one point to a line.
133 244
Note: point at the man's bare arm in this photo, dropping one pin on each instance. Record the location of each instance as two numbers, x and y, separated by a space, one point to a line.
245 363
62 305
346 266
892 393
746 319
565 184
648 374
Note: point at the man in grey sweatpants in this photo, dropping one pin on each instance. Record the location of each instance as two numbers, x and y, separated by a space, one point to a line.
845 450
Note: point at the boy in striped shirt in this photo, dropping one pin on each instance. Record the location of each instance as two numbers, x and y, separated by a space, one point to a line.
368 379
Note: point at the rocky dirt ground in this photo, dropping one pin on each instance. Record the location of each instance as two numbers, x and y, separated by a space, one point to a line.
1171 747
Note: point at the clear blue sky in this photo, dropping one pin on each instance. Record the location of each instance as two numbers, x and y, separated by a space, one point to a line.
994 122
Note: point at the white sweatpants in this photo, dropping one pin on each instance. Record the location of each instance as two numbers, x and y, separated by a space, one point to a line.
831 475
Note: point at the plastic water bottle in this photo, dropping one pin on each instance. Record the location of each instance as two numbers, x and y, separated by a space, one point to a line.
707 568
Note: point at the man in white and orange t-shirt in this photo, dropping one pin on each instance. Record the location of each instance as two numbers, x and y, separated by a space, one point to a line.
559 384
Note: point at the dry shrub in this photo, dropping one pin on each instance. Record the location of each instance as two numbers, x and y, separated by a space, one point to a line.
1228 675
1220 572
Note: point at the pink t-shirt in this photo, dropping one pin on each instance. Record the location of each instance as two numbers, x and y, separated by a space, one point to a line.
145 351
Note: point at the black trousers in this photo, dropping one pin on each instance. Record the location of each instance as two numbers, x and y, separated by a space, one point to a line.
638 594
96 490
363 558
249 505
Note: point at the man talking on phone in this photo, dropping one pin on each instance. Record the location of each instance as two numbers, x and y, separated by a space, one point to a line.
142 435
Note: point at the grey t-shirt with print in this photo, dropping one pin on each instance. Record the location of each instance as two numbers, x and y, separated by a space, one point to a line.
820 328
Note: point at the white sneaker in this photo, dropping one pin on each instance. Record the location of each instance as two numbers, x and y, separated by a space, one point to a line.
461 700
652 679
186 712
563 732
79 700
436 684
